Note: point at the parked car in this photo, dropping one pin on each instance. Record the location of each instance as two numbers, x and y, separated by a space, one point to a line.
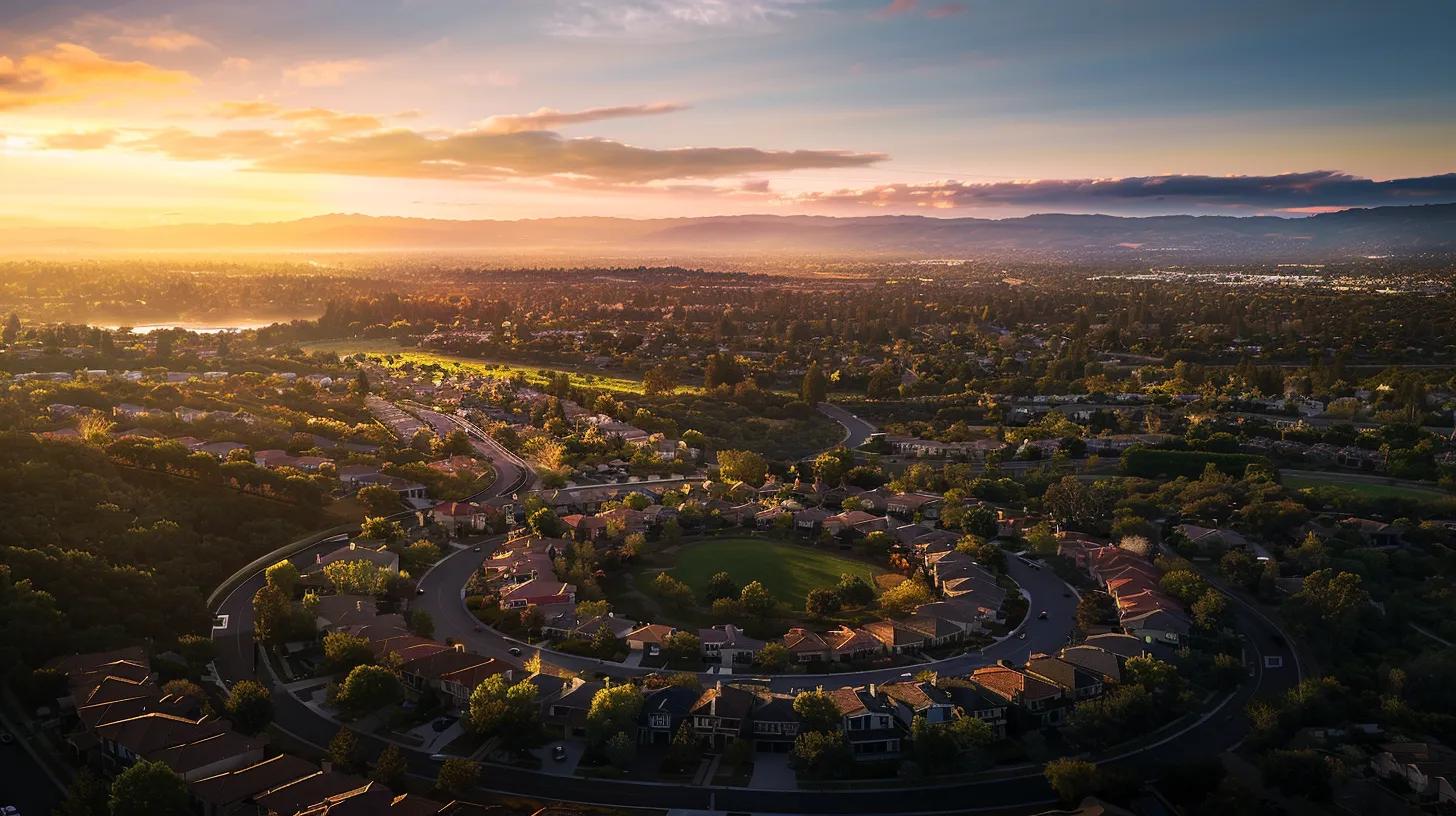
559 753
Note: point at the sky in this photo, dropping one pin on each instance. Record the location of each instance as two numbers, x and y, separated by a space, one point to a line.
147 112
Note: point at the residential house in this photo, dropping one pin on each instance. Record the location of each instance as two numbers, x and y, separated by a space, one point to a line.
1039 701
728 645
664 710
775 725
722 714
868 722
805 646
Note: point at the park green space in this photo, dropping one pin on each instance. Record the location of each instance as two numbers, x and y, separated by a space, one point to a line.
787 570
392 353
1373 490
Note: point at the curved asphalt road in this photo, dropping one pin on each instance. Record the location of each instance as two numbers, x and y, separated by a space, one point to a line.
444 585
856 430
1218 731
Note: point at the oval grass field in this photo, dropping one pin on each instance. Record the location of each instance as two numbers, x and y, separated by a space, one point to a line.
788 571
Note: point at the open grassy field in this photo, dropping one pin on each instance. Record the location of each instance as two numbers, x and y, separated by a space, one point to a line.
380 348
1369 489
788 571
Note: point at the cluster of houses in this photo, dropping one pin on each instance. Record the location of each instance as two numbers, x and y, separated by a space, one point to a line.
1143 609
117 713
448 670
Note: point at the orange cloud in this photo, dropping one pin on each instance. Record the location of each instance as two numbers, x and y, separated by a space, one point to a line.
325 72
479 154
68 72
551 118
80 140
318 119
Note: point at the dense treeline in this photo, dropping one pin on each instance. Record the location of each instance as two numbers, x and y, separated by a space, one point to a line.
127 554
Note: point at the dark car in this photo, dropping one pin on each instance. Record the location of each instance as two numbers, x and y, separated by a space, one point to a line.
559 753
475 548
515 651
1042 616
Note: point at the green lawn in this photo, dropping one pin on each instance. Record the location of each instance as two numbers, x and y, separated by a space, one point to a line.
1373 490
379 348
787 570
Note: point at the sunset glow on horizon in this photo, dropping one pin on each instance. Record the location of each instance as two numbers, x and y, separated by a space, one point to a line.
150 112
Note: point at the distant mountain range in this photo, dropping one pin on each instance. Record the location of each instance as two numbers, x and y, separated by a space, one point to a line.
1357 232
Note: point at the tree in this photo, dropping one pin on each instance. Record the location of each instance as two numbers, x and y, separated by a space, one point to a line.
380 528
817 710
755 600
1137 545
821 754
1042 540
543 522
343 651
1071 500
1072 779
1209 609
899 600
854 590
1328 602
197 650
742 466
683 647
498 708
367 688
87 796
820 603
344 749
721 585
249 706
674 592
815 384
1159 678
378 499
357 577
456 776
11 332
271 614
613 709
420 555
981 521
1095 609
149 788
1184 584
282 576
986 554
684 751
621 750
390 767
1302 772
658 381
832 466
773 657
421 623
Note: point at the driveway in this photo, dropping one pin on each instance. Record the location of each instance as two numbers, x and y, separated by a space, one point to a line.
772 772
564 767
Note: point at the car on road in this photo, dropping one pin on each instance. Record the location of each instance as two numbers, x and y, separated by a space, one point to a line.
1021 636
559 753
439 757
515 651
5 738
9 810
1066 594
420 591
1042 616
476 548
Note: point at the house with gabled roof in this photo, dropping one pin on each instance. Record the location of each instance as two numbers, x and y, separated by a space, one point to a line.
723 713
805 646
1040 701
